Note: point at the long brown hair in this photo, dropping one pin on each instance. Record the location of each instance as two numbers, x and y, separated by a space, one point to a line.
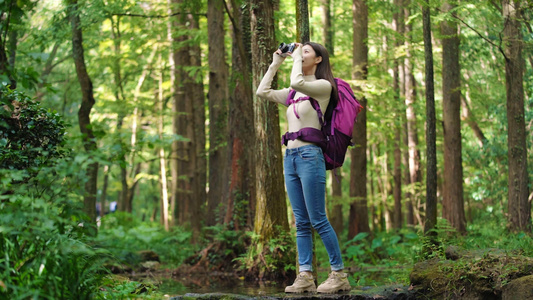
323 71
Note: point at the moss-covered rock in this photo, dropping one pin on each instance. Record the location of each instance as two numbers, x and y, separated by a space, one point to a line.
471 275
521 288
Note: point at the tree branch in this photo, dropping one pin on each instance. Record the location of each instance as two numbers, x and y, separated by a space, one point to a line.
478 33
158 16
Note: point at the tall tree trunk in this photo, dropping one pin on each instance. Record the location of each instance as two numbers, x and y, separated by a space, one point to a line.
431 136
358 177
453 201
415 176
174 173
397 24
123 203
199 167
271 211
327 29
240 203
84 119
183 151
218 110
518 206
302 21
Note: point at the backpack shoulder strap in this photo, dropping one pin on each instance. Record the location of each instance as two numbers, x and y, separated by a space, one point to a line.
290 97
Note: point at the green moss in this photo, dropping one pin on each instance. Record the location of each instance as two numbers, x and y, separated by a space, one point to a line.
474 274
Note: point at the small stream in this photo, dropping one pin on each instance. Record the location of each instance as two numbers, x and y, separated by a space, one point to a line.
174 287
204 284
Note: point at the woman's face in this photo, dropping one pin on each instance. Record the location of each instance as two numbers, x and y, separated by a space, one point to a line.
309 60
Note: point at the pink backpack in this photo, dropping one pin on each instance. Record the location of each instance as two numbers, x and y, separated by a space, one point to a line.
336 135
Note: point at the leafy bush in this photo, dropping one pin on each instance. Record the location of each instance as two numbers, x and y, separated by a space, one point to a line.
43 253
30 136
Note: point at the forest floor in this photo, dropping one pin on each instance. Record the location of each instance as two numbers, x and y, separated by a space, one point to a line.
483 274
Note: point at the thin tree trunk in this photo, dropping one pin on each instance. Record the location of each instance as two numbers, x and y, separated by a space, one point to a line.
358 177
162 160
336 217
466 115
104 191
431 138
84 120
518 206
415 176
218 110
51 63
123 203
453 200
397 175
174 174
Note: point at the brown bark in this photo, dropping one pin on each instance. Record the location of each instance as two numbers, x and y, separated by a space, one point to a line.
302 20
271 208
397 24
188 184
358 177
518 206
327 29
218 110
240 201
174 174
84 119
199 171
431 138
335 216
453 200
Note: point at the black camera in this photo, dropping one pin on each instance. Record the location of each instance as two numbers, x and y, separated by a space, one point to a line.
287 47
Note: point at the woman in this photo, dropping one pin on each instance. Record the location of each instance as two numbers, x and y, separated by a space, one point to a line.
305 171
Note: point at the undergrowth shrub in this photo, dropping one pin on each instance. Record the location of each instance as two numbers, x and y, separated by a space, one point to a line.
44 252
124 236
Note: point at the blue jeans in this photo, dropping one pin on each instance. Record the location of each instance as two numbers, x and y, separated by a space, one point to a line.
305 179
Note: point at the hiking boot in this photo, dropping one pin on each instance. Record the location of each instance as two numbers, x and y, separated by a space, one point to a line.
304 283
336 282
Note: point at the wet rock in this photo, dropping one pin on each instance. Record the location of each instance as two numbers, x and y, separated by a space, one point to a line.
521 288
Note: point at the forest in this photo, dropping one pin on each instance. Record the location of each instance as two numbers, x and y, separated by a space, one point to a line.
136 160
